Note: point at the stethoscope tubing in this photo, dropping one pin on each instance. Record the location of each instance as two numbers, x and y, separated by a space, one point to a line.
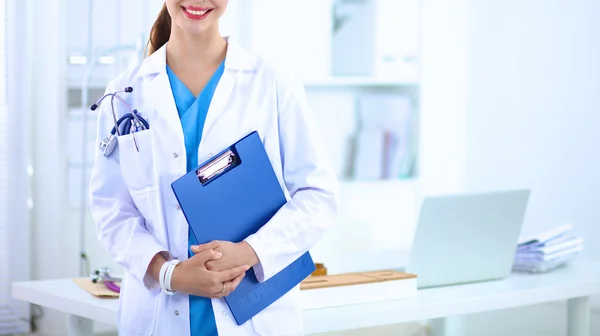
124 126
112 286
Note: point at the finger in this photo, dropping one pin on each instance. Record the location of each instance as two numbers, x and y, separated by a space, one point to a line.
221 289
213 245
230 286
204 256
218 265
229 275
212 265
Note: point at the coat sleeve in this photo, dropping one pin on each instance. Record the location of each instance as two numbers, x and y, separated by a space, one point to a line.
120 227
310 180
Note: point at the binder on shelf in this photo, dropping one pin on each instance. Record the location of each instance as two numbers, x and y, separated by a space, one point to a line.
230 197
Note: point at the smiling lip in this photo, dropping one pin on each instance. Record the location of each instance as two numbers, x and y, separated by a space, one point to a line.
193 8
196 13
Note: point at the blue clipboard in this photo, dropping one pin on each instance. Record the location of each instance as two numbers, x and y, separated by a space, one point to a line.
230 197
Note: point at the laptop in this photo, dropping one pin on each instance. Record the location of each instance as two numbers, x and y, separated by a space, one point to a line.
466 238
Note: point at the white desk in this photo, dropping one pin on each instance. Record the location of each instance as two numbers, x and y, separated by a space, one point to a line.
574 283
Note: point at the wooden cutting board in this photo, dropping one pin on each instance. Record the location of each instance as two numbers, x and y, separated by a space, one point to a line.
97 289
349 279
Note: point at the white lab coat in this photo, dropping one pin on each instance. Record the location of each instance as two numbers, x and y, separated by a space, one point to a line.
137 214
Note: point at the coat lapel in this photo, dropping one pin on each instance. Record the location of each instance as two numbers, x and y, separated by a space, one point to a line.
236 62
159 91
219 102
161 95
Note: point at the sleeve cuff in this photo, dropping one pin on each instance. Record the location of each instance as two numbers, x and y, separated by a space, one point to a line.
143 271
263 258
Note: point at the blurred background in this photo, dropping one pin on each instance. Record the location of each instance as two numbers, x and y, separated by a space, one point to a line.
413 98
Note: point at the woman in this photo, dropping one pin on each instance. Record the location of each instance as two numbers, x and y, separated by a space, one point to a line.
200 93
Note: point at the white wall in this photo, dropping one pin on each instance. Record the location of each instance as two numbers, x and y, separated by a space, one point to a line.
533 106
444 78
533 121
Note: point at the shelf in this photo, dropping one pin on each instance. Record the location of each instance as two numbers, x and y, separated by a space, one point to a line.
336 82
410 185
330 82
94 84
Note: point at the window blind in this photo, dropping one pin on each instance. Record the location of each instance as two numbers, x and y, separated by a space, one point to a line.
11 321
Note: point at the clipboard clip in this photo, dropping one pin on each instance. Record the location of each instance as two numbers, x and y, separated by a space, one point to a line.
216 166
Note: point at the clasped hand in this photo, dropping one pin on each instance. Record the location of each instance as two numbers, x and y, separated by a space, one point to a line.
215 269
233 255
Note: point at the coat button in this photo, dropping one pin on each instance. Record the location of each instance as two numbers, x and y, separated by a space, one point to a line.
175 155
177 313
178 207
224 313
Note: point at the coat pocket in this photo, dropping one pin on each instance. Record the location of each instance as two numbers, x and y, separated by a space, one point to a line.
137 313
137 157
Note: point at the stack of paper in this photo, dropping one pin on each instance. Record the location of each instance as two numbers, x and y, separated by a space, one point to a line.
548 250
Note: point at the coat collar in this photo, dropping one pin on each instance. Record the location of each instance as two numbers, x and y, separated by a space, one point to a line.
154 68
237 58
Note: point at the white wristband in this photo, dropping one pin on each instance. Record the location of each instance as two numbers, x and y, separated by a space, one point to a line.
169 275
161 276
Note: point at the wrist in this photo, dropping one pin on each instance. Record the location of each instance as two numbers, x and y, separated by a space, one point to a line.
252 257
169 269
176 278
155 265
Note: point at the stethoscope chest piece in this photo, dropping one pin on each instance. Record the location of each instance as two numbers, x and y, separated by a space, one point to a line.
108 145
103 276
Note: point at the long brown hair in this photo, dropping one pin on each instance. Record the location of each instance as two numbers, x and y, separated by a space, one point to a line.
160 32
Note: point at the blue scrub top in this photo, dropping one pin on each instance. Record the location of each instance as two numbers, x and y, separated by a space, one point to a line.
192 112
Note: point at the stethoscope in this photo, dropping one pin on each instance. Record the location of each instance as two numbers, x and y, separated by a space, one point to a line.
130 123
102 275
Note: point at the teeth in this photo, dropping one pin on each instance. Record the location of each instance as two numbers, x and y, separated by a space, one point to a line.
196 12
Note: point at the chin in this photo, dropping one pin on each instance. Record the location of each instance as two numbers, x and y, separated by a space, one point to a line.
197 29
